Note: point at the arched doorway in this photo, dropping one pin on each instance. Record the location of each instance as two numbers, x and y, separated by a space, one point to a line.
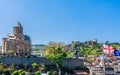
20 49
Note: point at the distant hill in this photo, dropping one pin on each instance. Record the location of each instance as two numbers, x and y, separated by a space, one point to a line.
37 48
39 45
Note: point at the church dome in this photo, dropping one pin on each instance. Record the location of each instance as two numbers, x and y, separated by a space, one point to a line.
27 38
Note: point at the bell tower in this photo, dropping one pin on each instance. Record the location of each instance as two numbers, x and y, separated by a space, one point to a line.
18 29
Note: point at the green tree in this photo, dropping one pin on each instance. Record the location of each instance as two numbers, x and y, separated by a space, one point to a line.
115 45
90 50
69 54
34 66
55 52
10 52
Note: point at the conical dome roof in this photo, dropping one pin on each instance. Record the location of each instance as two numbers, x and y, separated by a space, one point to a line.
18 24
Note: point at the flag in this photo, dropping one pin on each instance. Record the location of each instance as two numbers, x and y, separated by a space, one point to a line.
116 52
108 49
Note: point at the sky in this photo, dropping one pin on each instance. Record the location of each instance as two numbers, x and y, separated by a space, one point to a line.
62 20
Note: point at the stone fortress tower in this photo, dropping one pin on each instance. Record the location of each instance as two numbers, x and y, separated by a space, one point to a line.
17 43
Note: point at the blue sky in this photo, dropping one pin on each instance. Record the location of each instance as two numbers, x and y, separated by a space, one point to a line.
62 20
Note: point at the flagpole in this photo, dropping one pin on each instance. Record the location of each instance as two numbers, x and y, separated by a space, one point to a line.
106 43
103 62
107 48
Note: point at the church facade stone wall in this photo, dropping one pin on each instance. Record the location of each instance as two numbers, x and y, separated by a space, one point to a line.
17 42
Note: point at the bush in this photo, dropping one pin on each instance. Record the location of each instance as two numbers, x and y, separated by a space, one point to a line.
22 73
54 73
34 65
7 72
15 73
37 73
49 73
19 72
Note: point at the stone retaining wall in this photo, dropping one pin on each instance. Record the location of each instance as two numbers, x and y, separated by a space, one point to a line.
66 62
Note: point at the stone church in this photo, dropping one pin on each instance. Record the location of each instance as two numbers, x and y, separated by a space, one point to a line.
17 43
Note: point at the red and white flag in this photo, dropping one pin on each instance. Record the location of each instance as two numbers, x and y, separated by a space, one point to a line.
108 49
